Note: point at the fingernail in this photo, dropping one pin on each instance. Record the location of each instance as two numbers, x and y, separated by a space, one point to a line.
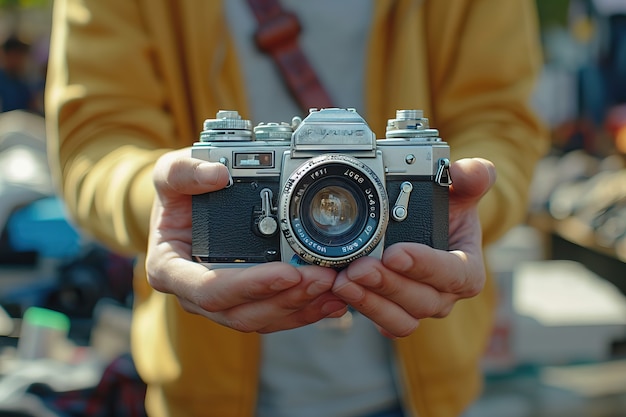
401 262
282 284
491 169
317 288
350 292
387 334
331 307
364 275
208 173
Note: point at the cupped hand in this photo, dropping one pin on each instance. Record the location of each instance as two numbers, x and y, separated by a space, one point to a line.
263 298
414 281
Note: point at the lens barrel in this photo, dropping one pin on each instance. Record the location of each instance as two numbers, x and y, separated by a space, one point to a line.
333 209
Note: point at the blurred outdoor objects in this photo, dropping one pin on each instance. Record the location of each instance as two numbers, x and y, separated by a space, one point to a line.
559 342
64 299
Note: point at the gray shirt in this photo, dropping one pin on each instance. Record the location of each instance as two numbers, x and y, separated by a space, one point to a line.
335 44
337 367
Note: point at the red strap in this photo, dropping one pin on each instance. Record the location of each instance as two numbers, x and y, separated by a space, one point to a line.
277 36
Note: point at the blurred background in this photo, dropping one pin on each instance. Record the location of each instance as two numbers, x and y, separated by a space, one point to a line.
559 344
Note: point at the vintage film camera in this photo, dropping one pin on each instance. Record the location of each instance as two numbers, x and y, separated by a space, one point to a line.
321 191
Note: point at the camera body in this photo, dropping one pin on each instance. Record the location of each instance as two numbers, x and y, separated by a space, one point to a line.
322 190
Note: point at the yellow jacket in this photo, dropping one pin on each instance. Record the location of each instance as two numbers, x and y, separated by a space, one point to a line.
132 79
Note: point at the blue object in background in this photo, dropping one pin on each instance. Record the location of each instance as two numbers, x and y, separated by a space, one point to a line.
42 227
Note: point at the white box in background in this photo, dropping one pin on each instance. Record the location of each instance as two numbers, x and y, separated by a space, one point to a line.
521 244
564 313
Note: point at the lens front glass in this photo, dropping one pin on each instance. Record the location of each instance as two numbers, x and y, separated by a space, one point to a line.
334 210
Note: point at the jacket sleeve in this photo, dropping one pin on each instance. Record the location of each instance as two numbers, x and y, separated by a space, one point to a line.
106 119
484 60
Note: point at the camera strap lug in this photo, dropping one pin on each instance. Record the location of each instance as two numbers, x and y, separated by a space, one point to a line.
267 224
401 209
443 173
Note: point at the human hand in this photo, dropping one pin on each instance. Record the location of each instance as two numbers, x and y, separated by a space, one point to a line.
414 281
264 298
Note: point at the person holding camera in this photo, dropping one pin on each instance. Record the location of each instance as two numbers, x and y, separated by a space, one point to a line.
400 334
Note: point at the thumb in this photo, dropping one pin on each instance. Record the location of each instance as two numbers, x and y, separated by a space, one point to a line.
177 173
471 179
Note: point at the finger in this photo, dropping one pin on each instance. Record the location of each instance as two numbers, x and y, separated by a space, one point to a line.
176 172
285 297
221 289
324 306
472 178
419 299
298 305
302 304
456 272
381 310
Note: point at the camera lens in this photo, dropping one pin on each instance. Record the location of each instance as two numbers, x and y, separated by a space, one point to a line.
333 209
